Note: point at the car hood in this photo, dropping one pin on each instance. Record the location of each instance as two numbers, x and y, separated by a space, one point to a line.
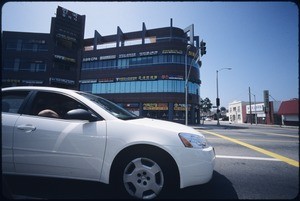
164 125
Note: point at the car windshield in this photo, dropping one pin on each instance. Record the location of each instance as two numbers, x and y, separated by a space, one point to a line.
110 107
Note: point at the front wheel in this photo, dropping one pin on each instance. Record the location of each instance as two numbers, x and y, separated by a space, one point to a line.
143 178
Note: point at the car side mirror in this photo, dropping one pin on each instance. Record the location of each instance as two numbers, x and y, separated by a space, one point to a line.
81 114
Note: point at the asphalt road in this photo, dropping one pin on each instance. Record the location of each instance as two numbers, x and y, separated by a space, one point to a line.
259 162
253 162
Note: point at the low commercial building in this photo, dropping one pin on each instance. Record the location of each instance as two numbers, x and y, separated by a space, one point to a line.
289 111
237 112
259 115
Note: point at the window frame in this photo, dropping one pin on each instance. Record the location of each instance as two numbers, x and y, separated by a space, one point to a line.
30 104
23 104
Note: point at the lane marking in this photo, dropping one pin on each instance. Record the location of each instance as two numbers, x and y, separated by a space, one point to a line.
255 148
256 140
267 133
248 158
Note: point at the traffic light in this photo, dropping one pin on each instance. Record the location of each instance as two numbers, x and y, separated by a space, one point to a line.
218 101
203 47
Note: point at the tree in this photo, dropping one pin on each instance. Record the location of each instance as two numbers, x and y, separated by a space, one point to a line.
205 105
223 109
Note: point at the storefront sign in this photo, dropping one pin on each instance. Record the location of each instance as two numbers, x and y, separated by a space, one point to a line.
124 79
59 35
148 77
172 52
142 78
33 81
255 108
129 79
181 107
89 59
106 80
131 105
67 14
261 114
87 81
149 53
107 57
11 80
190 53
155 106
127 55
172 77
61 80
64 58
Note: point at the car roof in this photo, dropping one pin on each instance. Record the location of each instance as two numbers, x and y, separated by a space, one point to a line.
39 88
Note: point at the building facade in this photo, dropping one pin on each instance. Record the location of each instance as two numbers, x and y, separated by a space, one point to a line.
237 112
289 111
46 59
144 71
25 58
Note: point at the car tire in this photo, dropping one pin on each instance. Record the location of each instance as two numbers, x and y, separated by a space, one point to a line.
145 175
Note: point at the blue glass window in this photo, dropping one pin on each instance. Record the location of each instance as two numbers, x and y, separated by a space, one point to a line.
138 61
160 84
169 86
138 87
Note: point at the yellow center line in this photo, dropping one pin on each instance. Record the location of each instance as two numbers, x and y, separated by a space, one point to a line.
285 135
266 152
247 139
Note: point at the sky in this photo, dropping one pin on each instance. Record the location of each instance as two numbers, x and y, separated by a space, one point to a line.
257 40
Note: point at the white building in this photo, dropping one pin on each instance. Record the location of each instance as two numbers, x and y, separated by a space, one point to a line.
237 112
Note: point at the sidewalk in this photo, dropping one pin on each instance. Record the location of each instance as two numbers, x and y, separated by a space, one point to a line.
226 125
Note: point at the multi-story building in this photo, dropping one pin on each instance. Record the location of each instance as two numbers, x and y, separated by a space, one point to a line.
45 59
144 71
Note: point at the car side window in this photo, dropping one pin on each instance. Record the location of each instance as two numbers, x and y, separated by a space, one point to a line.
54 105
12 100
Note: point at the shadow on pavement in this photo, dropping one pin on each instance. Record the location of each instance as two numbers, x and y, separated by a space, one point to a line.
218 188
25 187
211 126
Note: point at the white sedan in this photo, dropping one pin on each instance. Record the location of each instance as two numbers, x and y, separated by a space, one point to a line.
62 133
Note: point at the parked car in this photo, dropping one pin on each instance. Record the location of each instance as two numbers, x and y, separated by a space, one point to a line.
207 119
53 132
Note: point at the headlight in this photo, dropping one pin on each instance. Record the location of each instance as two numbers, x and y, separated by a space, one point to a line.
193 141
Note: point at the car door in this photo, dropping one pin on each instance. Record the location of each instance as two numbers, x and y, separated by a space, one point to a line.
55 146
11 104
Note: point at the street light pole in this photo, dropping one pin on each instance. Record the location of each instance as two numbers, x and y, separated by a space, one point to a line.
255 108
186 86
218 100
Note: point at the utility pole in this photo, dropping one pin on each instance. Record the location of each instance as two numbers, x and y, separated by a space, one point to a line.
218 99
250 106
